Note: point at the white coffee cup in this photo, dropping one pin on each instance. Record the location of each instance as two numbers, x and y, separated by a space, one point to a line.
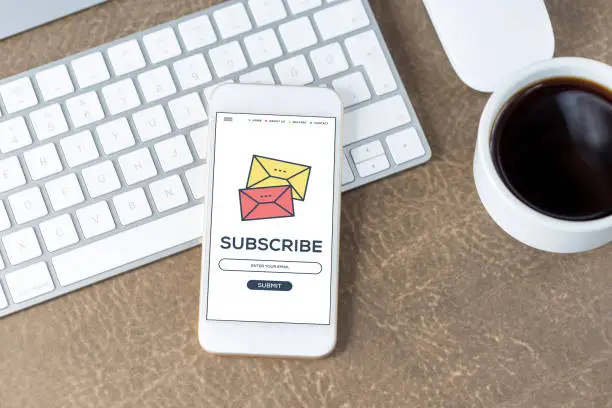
511 214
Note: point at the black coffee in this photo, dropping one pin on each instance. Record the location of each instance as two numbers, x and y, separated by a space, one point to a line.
552 145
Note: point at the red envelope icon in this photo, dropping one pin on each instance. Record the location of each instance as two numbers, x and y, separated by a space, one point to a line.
266 202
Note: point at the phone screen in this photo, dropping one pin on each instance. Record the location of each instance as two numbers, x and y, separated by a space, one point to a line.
271 231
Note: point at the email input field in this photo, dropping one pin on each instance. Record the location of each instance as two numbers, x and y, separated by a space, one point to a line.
256 265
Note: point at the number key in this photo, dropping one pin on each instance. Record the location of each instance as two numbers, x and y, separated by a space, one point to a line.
85 109
49 122
156 84
15 135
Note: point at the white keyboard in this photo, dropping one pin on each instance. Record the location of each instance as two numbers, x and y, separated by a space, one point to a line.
102 154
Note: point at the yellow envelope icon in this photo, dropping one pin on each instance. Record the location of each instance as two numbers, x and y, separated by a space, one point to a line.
266 172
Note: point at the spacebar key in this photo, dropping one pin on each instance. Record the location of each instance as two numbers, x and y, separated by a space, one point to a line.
129 246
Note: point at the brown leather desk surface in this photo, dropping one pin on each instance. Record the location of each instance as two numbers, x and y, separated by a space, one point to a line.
438 307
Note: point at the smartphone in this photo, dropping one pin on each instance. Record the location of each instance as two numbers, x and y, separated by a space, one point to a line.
269 282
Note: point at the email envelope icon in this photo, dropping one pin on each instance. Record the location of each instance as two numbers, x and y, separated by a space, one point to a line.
265 203
266 172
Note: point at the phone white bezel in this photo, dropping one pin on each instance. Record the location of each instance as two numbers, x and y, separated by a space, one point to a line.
272 339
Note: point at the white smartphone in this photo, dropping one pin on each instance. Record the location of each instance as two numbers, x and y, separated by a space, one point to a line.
271 239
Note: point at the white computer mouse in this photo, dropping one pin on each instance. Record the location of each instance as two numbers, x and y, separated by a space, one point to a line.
487 40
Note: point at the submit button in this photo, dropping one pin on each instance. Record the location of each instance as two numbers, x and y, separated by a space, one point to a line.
278 286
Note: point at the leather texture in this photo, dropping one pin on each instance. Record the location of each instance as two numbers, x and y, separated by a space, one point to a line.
438 307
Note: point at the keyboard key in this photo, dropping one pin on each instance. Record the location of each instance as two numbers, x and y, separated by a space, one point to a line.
192 71
263 46
294 71
173 153
228 59
329 60
347 173
232 20
261 76
18 95
267 11
115 136
199 137
79 148
109 253
27 205
43 161
58 233
197 33
341 19
405 146
151 123
132 206
90 70
21 246
101 179
137 166
5 223
156 84
372 166
126 57
3 301
30 282
187 110
375 118
367 151
54 82
352 89
298 34
11 174
95 219
14 135
85 109
64 192
364 49
298 6
197 178
48 122
161 45
121 96
168 193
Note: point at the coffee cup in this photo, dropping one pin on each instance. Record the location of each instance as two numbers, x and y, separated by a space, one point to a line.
541 221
